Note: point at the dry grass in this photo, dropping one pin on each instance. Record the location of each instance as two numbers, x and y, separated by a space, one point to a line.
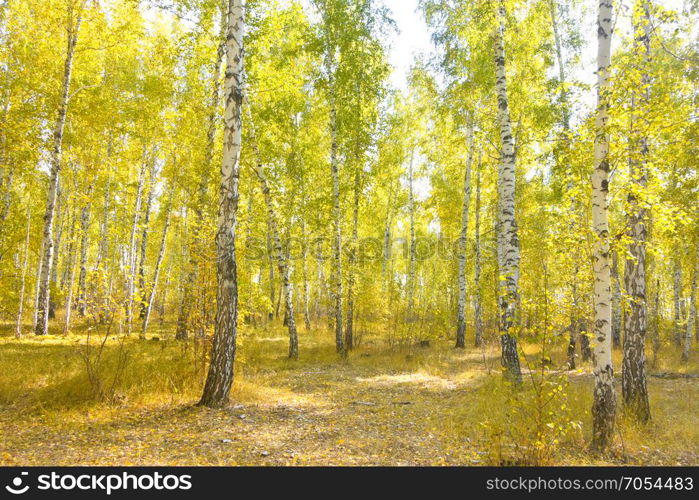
385 405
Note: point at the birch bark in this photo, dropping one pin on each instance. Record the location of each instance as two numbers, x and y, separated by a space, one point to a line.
156 272
220 375
461 307
18 330
677 299
44 295
633 369
508 239
604 405
82 278
411 215
477 310
692 316
278 252
185 308
131 267
337 208
349 330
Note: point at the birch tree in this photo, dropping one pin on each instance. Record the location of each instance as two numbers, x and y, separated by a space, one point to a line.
150 296
337 207
477 307
220 376
75 11
411 222
677 300
692 315
461 310
204 177
84 241
278 252
633 369
131 278
604 404
508 239
25 263
349 329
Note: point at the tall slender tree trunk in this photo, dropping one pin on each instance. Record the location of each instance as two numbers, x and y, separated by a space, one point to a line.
250 314
633 369
42 323
278 251
185 308
337 209
387 238
65 272
320 289
270 258
306 293
166 290
349 329
25 261
103 249
70 279
508 239
69 296
563 92
677 300
82 278
57 249
477 308
131 278
461 308
604 405
144 243
692 316
413 248
575 321
35 316
616 301
156 273
220 376
6 178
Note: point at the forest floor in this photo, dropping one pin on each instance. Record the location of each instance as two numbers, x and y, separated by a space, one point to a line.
385 405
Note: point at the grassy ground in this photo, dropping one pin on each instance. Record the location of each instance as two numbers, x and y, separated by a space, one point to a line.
384 405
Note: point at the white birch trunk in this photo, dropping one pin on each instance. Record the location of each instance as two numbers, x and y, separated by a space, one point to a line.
692 316
131 267
508 239
156 274
463 235
69 297
633 368
144 243
44 296
616 302
349 330
477 311
18 330
337 209
387 237
677 300
306 291
220 375
35 316
277 250
84 228
604 405
411 214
